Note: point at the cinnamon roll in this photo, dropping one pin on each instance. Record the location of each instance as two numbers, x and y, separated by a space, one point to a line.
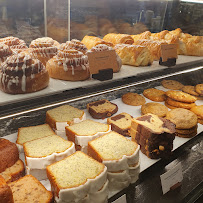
16 45
5 52
20 73
43 48
118 38
77 44
69 64
104 47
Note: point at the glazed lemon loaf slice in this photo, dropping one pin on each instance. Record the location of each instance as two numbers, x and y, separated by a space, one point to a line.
29 189
26 134
63 116
74 177
44 151
85 131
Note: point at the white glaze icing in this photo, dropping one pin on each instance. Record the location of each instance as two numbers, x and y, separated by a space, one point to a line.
43 162
117 186
84 200
61 133
134 173
40 174
78 193
119 176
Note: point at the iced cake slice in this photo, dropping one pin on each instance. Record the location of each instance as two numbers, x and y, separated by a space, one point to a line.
76 176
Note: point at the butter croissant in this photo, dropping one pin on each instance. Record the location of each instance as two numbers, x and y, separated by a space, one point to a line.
118 38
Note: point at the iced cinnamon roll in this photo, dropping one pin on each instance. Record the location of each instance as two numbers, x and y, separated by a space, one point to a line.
5 52
20 73
77 44
43 48
68 64
104 47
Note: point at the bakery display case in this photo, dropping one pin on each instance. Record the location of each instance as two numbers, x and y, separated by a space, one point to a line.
92 23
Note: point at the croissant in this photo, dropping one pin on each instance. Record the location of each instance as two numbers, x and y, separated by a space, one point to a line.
134 55
68 64
153 46
43 48
91 41
118 38
20 73
144 35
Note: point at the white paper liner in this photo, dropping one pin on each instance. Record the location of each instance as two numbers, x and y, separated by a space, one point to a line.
42 163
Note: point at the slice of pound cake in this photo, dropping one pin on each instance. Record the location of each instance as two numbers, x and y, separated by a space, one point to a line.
77 177
30 133
102 109
120 155
62 116
154 134
121 123
29 189
85 131
44 151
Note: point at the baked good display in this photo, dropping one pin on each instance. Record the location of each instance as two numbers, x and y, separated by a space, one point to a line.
122 166
154 108
199 89
179 99
85 131
29 189
133 99
20 74
154 134
5 52
185 121
62 116
43 48
153 46
102 109
190 90
172 84
30 133
104 47
118 38
134 55
68 64
92 41
121 123
6 195
198 110
78 178
154 94
77 45
44 151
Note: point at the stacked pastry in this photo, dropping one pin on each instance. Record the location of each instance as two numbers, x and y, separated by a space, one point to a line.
68 64
11 167
185 121
154 134
134 55
121 157
179 99
62 116
43 49
21 73
78 178
85 131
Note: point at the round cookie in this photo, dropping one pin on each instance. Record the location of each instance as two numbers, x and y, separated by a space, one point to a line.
133 99
172 84
155 94
182 118
199 89
181 96
198 110
187 131
190 90
154 108
186 135
177 104
169 106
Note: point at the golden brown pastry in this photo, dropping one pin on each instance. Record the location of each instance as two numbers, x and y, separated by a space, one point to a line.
20 73
68 64
43 48
91 41
153 46
144 35
118 38
76 44
5 52
134 55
